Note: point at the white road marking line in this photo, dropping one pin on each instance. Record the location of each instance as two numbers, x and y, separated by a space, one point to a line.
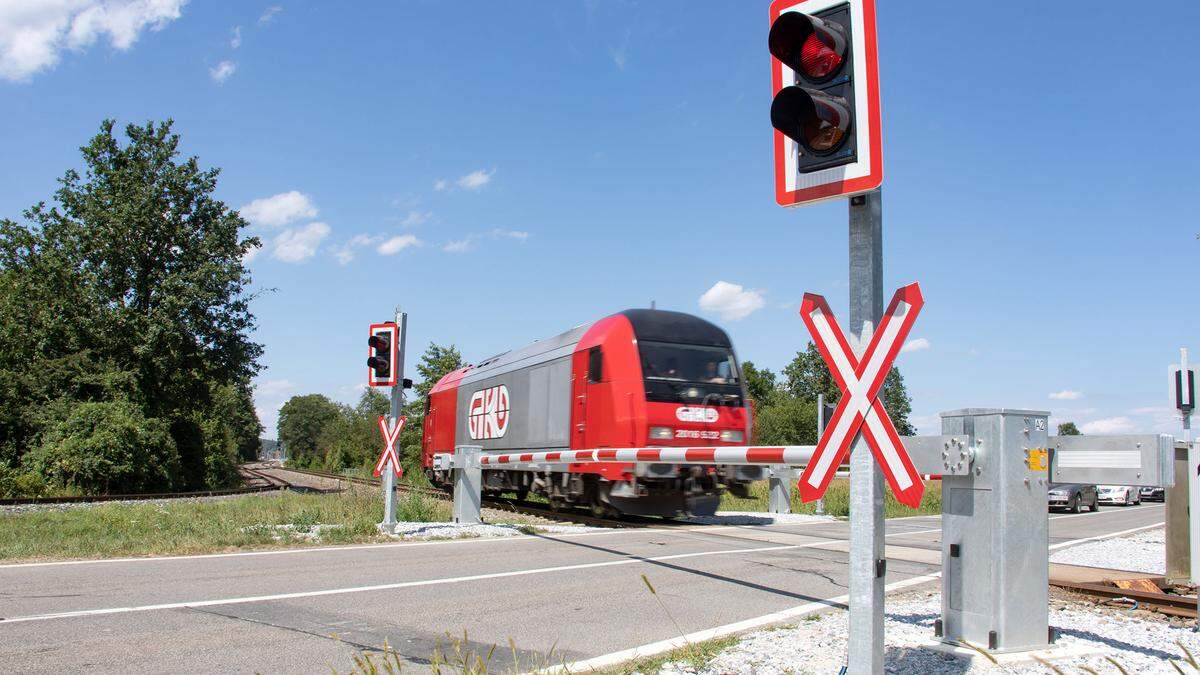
479 540
408 584
441 542
655 648
1110 535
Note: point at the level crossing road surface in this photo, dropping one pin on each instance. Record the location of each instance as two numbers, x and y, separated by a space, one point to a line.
307 610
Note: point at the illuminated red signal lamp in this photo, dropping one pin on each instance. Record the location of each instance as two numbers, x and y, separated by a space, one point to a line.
813 47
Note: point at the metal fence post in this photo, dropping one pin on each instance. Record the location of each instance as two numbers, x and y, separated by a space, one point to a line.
867 562
468 485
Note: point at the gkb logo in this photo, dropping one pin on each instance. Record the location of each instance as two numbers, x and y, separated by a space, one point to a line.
487 415
686 414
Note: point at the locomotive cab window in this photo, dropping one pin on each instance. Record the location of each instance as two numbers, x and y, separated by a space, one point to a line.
690 373
595 364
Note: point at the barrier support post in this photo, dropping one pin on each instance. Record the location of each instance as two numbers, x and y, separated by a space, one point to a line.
468 485
782 478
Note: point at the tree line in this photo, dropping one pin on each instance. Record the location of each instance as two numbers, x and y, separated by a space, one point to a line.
125 349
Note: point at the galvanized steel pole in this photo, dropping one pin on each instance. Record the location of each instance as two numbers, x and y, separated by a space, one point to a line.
867 560
820 509
389 473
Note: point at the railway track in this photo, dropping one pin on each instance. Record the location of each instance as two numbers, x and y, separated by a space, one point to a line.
522 506
269 486
1162 603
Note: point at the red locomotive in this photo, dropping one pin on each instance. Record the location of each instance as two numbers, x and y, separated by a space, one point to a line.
637 378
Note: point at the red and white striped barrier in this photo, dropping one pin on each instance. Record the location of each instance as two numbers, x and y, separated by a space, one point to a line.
751 454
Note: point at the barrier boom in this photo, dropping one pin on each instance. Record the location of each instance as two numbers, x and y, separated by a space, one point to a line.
749 454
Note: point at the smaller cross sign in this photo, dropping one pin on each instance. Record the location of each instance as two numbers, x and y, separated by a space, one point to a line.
389 456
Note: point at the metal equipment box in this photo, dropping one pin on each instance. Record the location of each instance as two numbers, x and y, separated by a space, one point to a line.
995 532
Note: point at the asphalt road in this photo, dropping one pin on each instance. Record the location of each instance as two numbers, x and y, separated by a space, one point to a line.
307 610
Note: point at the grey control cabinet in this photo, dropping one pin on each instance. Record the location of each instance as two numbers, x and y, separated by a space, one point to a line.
995 534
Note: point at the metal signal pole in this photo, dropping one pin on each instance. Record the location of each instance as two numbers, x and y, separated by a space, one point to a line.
389 474
867 561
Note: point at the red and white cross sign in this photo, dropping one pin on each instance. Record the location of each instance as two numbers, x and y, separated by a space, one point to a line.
860 382
390 436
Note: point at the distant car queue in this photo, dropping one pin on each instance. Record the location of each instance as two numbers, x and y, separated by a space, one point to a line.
1075 497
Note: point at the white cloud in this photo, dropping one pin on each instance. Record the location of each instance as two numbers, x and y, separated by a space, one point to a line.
222 71
346 253
916 345
476 179
460 245
510 234
398 243
731 301
273 388
280 209
1066 395
1109 425
471 181
235 40
620 54
415 218
300 244
468 243
269 14
33 34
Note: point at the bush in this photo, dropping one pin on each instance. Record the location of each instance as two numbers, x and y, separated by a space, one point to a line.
107 448
16 483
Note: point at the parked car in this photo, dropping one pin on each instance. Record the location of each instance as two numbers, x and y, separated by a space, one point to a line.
1125 495
1153 494
1073 497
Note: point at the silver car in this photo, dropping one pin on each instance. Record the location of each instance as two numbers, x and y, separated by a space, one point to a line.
1124 495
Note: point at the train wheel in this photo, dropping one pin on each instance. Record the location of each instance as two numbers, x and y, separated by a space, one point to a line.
557 503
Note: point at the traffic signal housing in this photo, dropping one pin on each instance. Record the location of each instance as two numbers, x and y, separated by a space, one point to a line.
383 354
825 109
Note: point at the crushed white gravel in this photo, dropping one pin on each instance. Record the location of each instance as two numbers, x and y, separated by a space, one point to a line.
818 645
757 518
414 530
1139 552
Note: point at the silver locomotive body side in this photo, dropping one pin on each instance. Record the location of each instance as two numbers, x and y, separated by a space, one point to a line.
536 381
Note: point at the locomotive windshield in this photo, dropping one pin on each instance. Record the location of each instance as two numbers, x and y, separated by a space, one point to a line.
690 373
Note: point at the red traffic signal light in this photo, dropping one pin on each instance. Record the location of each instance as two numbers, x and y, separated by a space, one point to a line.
813 47
825 108
382 357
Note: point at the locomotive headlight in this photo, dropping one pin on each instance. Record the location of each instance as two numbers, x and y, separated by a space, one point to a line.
732 436
661 433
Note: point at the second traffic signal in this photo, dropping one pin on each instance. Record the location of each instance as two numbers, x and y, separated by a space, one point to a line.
383 354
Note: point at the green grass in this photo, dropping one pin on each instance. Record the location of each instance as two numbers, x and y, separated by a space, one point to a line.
837 500
192 526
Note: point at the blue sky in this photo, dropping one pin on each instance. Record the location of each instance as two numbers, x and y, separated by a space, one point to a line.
505 171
